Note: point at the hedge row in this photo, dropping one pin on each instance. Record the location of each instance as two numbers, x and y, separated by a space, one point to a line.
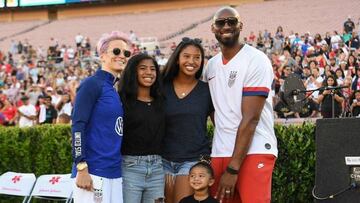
47 149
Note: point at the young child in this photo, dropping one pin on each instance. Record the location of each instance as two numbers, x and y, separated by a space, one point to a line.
201 177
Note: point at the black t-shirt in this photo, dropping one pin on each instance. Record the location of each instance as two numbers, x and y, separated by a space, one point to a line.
51 114
191 199
307 109
186 123
326 105
144 128
356 111
281 108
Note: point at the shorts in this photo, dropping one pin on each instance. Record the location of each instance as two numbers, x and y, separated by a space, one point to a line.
254 178
177 168
111 191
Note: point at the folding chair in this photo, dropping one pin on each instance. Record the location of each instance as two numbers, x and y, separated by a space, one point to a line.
53 187
17 184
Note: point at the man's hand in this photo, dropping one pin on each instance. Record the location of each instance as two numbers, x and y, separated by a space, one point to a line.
226 187
84 181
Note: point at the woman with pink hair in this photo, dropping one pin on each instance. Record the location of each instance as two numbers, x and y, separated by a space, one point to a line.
97 127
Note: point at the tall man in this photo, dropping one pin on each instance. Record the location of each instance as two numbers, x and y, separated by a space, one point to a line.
244 146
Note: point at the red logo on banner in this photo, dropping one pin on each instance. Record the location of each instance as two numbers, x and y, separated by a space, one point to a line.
16 179
54 180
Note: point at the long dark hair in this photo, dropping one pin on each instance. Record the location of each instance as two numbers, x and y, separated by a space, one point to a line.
325 83
171 69
129 85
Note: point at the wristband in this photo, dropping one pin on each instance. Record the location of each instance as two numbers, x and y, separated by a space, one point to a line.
232 171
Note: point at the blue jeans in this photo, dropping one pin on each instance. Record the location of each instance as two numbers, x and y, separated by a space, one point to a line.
177 168
143 178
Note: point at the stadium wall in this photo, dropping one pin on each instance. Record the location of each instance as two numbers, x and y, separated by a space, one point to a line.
96 9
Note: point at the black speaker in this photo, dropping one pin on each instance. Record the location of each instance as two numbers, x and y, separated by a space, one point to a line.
336 139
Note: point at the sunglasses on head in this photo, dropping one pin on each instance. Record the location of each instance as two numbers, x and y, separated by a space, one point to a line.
231 21
195 40
117 51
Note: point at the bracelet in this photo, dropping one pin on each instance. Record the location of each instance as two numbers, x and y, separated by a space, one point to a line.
232 171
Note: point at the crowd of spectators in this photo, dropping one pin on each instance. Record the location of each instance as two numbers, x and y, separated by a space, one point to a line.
315 59
38 84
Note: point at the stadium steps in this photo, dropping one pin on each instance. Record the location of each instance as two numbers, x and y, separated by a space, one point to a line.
185 29
25 30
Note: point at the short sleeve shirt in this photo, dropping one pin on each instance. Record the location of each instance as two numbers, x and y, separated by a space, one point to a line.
248 73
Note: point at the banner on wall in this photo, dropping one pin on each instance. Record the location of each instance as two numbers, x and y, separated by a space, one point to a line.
11 3
49 2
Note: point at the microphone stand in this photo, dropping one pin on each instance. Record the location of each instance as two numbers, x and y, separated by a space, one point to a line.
332 103
297 92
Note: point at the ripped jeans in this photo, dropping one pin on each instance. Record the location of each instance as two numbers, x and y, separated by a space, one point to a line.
143 178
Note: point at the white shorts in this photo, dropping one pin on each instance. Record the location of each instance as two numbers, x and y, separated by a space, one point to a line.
111 191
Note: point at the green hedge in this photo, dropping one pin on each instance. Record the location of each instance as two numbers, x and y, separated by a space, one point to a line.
46 149
41 150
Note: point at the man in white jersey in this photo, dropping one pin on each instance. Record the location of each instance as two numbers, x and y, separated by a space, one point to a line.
244 147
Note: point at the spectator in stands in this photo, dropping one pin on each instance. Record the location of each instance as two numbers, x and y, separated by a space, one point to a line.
356 81
306 73
144 130
27 113
309 110
355 106
279 32
277 44
260 41
55 98
285 74
354 41
278 71
20 47
340 76
335 40
314 81
349 25
283 110
351 65
78 39
187 105
328 98
347 93
48 113
13 47
144 50
173 46
9 111
252 38
162 60
133 38
157 51
286 46
333 64
64 106
34 92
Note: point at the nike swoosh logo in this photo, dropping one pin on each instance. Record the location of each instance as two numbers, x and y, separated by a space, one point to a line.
211 78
